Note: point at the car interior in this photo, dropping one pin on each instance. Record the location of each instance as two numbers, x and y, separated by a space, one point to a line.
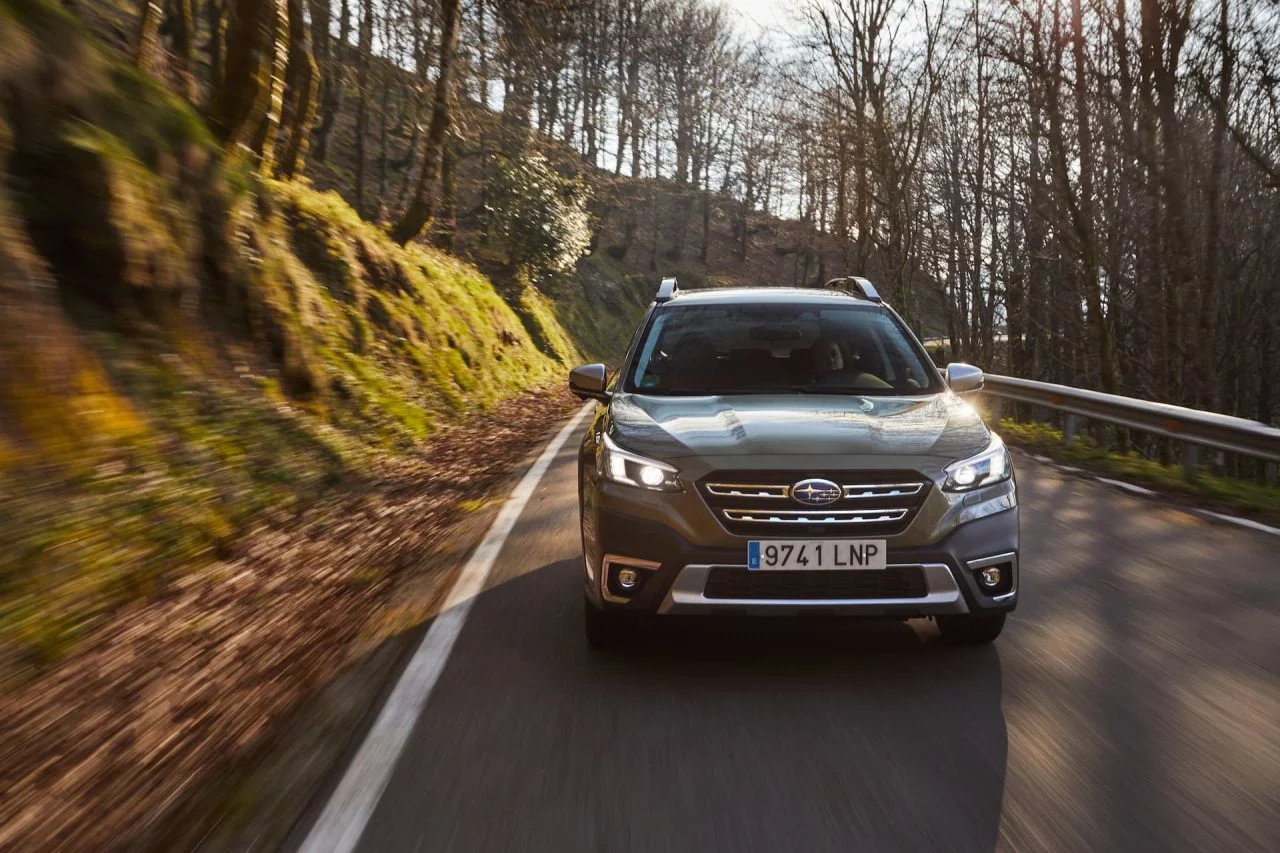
753 358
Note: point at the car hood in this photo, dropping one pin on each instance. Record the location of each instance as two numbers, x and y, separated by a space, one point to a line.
671 427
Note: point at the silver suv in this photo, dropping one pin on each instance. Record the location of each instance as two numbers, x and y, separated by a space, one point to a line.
778 450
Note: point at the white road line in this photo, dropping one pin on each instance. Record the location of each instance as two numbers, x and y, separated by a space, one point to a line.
1243 522
1128 487
343 820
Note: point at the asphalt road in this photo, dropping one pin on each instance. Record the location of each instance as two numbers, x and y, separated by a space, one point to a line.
1133 703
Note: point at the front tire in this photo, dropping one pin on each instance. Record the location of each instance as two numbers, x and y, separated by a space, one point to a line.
606 630
971 630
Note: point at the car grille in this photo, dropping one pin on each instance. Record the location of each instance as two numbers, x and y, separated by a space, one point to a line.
893 582
872 503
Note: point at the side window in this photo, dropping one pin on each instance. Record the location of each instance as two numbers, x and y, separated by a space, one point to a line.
644 376
631 349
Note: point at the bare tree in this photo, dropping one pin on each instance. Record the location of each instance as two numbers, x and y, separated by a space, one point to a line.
421 209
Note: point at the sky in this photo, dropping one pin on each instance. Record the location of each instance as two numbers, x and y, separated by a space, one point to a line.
755 16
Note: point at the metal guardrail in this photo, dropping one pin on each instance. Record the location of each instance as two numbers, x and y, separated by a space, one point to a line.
946 342
1194 428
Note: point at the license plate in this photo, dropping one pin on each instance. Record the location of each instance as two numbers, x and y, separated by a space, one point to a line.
816 554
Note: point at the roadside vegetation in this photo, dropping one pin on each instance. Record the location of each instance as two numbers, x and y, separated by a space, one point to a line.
1241 497
237 419
191 347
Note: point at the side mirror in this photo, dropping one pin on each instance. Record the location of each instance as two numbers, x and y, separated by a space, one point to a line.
964 378
588 382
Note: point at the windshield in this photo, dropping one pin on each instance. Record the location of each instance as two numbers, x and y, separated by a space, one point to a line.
779 348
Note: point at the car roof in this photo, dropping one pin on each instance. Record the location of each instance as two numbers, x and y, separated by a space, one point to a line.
765 295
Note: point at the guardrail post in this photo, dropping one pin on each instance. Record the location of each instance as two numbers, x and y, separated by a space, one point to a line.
1190 459
993 406
1069 427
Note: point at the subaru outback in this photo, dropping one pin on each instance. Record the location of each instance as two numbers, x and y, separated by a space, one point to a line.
783 451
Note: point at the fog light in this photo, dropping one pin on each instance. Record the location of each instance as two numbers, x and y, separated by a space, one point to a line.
990 576
627 578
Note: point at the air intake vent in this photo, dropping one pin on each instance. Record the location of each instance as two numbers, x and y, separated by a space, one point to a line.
894 582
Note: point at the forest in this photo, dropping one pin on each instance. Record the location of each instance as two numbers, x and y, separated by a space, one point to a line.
1086 192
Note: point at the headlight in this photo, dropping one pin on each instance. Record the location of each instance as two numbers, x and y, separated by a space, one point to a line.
625 467
987 468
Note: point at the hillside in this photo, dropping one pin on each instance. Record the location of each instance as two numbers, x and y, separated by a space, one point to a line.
188 346
642 228
238 428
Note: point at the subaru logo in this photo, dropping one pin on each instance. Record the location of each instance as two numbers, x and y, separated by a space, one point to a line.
816 492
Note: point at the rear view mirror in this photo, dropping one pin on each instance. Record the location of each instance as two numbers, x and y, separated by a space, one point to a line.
588 382
964 378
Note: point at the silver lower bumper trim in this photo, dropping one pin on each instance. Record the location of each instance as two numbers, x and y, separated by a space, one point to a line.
942 596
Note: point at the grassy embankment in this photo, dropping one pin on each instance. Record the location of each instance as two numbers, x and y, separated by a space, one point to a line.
189 348
1239 496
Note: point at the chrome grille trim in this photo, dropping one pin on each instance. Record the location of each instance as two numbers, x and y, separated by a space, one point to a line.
888 490
816 516
748 490
750 502
858 492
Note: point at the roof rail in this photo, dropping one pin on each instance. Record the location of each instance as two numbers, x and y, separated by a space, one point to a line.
666 290
856 286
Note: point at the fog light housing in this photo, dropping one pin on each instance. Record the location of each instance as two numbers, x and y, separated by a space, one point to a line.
990 576
621 578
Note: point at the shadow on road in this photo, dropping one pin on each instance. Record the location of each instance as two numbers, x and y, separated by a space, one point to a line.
1143 685
734 735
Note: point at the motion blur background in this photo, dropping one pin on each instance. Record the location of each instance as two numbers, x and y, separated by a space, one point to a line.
288 289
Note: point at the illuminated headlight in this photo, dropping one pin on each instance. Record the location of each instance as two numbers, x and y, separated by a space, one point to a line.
987 468
625 467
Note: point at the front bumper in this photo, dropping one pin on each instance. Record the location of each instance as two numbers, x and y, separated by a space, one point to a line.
673 572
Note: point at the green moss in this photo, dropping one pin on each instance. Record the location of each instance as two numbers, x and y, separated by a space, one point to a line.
1237 495
244 344
148 116
599 307
175 445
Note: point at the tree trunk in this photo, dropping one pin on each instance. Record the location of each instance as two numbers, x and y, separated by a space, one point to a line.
422 208
266 137
333 74
301 79
1211 282
183 27
243 96
362 100
217 15
449 195
482 47
146 40
384 107
1085 211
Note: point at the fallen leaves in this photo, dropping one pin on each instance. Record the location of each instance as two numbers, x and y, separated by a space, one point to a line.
97 751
